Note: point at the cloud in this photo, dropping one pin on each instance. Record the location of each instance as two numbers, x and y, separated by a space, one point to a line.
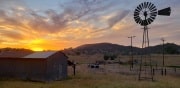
11 34
78 20
31 23
6 4
112 19
71 12
117 17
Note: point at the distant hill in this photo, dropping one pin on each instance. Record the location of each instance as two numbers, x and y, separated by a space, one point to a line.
106 48
102 48
14 52
169 48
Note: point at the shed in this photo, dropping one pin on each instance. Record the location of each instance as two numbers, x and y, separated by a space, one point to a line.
38 66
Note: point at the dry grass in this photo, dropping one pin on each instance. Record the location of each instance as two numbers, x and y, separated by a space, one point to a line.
90 78
97 81
86 58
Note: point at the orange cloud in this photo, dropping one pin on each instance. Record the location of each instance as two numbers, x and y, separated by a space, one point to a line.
22 27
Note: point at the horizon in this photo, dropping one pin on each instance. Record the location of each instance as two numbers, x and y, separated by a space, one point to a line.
85 44
60 24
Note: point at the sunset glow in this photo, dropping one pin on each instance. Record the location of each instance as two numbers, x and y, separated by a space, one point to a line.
37 49
59 24
35 44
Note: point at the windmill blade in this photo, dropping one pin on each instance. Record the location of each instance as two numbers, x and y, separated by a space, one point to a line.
145 22
154 10
140 7
140 21
137 19
149 21
137 10
165 12
145 4
136 13
152 17
149 5
153 13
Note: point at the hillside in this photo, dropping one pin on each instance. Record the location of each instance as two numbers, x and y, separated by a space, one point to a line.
104 48
169 48
14 52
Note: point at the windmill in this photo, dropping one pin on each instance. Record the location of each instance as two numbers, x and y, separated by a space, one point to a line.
144 14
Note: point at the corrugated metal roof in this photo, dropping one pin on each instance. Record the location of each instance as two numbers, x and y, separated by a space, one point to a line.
44 54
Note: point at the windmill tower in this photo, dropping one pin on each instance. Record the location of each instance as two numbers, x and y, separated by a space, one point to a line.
145 14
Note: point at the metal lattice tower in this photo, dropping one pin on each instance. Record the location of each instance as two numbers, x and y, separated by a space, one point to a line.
145 14
146 70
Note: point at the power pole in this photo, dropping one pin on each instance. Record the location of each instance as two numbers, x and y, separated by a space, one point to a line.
132 57
163 68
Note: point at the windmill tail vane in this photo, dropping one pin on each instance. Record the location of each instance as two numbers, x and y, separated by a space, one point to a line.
165 12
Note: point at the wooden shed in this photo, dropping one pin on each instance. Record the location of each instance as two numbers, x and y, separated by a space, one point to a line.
38 66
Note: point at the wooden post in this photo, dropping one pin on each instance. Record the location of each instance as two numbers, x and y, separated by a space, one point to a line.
153 72
165 71
74 69
162 71
156 66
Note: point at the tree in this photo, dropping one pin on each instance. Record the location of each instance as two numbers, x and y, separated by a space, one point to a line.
106 57
171 50
113 57
78 53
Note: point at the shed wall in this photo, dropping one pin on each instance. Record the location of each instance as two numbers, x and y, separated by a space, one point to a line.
37 69
57 67
23 69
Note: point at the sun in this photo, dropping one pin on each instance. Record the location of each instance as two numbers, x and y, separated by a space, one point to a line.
37 44
37 49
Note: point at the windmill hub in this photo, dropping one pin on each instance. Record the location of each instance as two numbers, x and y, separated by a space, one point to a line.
145 14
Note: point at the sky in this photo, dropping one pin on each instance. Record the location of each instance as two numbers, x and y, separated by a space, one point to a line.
58 24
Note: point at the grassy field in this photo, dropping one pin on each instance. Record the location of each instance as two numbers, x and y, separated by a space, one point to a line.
97 81
115 76
169 59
